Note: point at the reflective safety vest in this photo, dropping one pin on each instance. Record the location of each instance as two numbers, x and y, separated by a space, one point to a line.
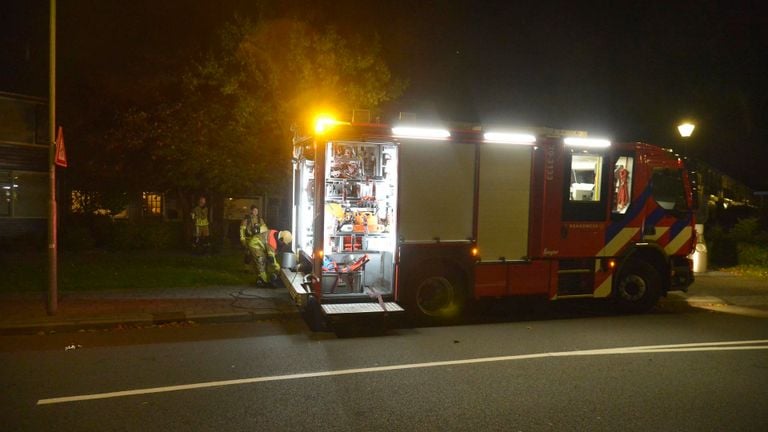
200 216
272 239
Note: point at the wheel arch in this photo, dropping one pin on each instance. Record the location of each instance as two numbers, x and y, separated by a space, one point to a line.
651 254
454 259
420 263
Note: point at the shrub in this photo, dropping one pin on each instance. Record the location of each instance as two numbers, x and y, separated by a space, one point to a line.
125 236
745 230
152 234
26 242
745 244
80 232
77 238
102 229
753 255
159 235
722 247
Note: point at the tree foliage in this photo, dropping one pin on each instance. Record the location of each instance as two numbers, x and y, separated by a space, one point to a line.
301 70
224 126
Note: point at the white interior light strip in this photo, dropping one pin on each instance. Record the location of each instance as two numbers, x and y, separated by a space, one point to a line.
509 138
423 133
587 142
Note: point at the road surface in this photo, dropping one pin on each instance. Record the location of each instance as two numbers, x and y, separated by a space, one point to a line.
688 366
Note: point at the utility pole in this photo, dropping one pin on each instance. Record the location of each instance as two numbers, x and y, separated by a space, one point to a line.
53 294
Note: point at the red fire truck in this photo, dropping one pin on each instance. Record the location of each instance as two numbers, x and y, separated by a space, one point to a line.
399 218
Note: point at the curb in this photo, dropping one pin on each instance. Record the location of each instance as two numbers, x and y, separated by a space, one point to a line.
714 273
241 316
76 324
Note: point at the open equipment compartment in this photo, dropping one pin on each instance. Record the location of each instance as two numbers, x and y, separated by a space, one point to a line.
360 211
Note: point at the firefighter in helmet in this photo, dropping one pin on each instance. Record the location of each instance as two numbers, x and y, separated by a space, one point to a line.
253 235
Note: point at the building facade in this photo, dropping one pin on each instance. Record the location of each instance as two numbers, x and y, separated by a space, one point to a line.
24 147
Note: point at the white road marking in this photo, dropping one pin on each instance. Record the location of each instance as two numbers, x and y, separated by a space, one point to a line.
689 347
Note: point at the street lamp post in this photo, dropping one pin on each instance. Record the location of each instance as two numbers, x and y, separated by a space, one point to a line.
700 252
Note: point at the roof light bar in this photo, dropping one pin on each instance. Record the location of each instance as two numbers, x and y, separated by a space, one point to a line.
420 133
586 142
509 138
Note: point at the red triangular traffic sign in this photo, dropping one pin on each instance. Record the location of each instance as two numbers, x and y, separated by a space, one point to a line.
61 154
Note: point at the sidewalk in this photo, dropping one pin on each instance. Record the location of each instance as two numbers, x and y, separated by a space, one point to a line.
26 313
718 290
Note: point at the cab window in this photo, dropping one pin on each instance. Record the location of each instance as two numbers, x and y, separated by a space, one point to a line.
668 189
585 177
586 188
622 184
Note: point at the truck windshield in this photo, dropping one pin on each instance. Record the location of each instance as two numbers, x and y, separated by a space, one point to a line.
668 189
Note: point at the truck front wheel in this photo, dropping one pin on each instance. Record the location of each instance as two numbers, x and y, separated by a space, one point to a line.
638 287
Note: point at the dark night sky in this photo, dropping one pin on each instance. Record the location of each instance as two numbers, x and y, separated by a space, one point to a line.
629 70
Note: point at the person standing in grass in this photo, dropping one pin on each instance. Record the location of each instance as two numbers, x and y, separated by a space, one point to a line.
201 218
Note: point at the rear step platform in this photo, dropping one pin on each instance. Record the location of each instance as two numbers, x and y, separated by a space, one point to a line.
361 308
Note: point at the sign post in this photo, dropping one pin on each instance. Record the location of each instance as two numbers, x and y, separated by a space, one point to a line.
53 295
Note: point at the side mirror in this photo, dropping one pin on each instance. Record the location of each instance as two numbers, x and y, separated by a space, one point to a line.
695 199
694 179
699 203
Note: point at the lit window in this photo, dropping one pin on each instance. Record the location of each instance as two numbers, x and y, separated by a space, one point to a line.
585 177
153 204
78 201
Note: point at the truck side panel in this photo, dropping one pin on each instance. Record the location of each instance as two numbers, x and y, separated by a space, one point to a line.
512 278
504 201
436 190
532 278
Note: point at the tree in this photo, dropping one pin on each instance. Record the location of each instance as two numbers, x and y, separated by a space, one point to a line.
232 124
301 70
224 129
280 72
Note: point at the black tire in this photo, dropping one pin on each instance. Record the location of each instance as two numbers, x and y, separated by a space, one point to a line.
436 295
638 287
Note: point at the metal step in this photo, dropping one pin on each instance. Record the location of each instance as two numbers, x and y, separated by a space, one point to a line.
292 281
361 308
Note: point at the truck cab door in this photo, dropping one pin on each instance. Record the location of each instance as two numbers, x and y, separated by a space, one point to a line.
585 199
574 236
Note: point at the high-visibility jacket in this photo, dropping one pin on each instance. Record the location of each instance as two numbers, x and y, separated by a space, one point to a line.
252 230
200 216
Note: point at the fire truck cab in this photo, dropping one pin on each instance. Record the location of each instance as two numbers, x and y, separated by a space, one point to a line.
388 219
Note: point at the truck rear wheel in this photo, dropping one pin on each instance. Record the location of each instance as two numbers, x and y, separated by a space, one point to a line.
638 287
436 296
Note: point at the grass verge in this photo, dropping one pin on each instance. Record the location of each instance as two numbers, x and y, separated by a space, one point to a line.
100 270
748 270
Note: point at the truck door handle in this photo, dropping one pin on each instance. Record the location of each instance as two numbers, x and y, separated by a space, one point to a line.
649 230
564 231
